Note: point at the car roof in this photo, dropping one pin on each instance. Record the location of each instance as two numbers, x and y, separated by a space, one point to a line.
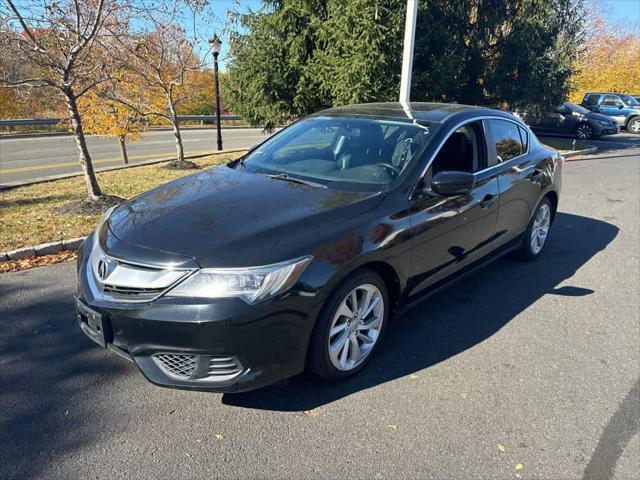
418 111
606 93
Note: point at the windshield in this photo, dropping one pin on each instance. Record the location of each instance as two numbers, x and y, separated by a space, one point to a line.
576 108
356 152
629 100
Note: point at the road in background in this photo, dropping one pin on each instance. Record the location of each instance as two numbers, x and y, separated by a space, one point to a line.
524 370
37 157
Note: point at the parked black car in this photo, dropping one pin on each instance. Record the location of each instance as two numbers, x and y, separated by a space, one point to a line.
298 254
574 120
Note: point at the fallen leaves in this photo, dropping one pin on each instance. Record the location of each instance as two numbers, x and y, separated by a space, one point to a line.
392 426
501 448
219 437
519 466
311 413
31 262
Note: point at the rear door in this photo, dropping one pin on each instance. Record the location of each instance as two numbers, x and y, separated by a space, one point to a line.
519 175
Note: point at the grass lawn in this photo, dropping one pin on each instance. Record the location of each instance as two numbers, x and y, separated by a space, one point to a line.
26 213
564 144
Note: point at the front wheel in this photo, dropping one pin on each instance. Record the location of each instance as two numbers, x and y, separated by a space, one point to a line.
535 237
634 126
584 131
350 326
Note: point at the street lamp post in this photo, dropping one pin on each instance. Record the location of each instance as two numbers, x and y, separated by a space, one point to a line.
216 44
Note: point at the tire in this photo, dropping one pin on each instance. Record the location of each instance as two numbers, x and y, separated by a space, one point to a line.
327 365
633 126
583 131
530 250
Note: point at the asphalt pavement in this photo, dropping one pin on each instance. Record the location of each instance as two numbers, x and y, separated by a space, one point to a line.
525 370
40 157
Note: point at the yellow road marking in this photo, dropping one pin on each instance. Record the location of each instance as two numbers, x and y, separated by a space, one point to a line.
160 156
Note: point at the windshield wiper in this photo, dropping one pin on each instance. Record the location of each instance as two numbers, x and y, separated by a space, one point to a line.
284 176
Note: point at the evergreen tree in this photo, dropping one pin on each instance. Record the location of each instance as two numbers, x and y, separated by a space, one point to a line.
298 56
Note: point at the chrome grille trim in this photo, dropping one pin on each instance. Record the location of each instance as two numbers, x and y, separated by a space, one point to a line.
128 281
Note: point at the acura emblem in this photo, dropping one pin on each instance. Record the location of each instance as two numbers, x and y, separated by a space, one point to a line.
103 270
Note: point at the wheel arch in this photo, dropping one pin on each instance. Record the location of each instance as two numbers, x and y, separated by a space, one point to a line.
629 120
552 195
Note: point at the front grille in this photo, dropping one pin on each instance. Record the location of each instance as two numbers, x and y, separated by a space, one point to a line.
131 293
177 365
224 367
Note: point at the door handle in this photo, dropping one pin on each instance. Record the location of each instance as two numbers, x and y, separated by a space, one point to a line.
487 201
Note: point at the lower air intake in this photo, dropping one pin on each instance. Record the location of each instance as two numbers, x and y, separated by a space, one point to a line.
177 365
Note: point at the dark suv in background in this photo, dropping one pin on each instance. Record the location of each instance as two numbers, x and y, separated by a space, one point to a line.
623 108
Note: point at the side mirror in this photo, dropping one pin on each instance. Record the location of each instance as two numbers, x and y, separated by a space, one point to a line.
452 183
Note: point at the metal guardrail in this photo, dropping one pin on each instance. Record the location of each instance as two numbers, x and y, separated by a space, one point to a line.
52 121
28 121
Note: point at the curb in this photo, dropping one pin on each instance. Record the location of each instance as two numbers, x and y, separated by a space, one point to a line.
9 186
575 153
42 249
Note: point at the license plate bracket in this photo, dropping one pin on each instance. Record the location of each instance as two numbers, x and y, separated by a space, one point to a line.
92 323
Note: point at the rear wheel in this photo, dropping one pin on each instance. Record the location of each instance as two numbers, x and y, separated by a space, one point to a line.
350 326
634 125
535 237
584 131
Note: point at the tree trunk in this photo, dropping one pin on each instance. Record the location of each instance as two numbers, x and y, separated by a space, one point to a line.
123 150
176 132
93 189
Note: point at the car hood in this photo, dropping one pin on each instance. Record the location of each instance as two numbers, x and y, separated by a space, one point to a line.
226 217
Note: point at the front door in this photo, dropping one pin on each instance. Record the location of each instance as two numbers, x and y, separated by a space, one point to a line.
613 107
449 233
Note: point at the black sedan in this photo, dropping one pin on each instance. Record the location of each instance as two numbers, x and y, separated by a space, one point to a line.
299 254
574 120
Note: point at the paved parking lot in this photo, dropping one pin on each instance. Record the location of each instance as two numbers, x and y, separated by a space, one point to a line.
526 370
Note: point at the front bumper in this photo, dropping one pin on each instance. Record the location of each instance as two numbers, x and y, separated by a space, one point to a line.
222 345
601 130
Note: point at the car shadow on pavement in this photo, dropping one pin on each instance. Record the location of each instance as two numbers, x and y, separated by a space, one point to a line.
455 319
48 370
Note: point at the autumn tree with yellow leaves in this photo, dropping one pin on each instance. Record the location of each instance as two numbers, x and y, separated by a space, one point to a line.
110 118
609 63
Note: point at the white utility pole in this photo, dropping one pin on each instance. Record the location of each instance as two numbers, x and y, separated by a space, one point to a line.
407 56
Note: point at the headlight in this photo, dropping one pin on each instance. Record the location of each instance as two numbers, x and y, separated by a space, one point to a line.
250 284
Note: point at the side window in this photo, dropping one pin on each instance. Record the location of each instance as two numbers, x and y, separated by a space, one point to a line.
462 152
611 101
507 139
524 137
593 100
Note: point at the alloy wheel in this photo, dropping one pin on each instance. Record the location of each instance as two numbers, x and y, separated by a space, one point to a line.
355 327
540 228
584 131
635 126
